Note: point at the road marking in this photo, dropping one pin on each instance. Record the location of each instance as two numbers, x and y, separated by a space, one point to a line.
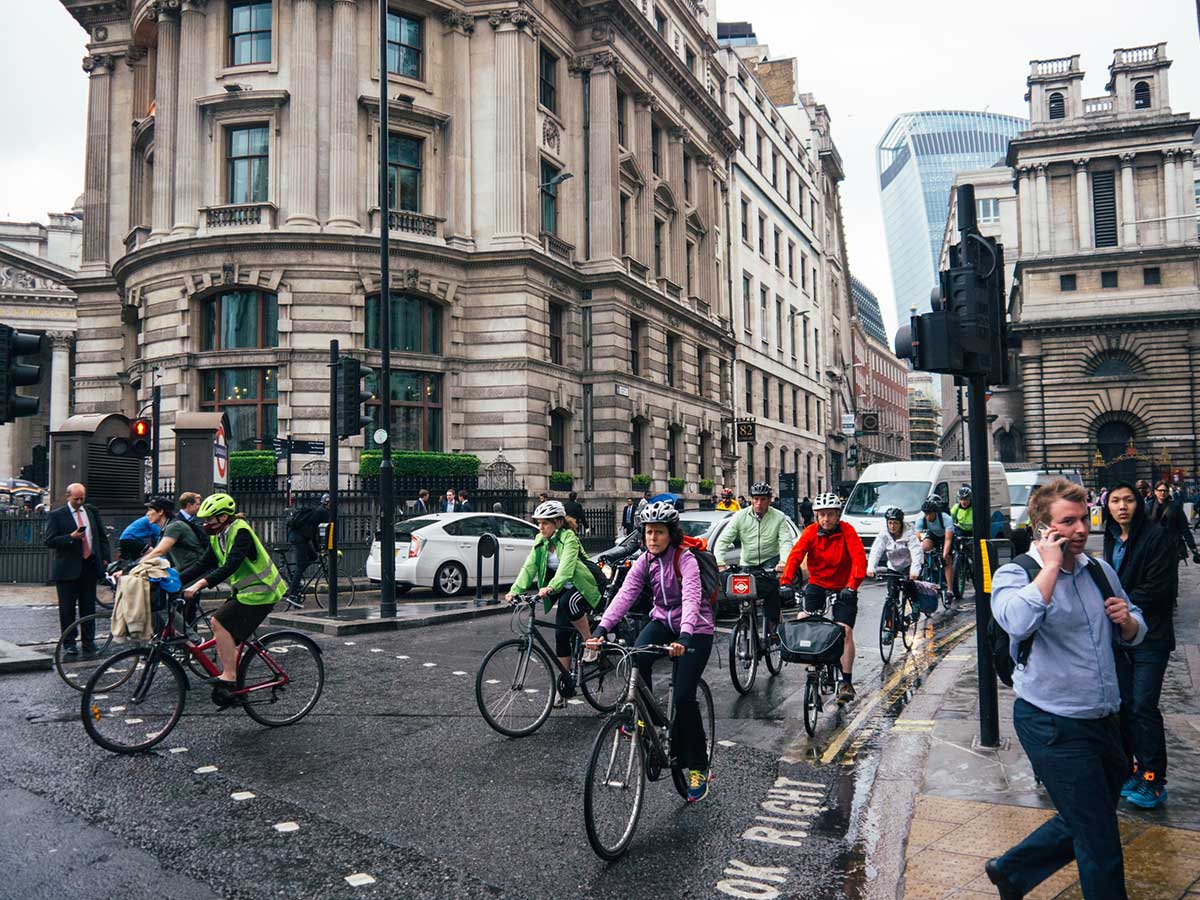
358 879
531 690
134 721
429 665
205 770
242 795
459 672
575 701
178 750
401 657
376 649
101 697
492 681
72 675
956 656
349 643
116 709
726 744
286 827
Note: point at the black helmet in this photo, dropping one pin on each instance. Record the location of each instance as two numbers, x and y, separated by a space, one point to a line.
162 504
933 503
893 513
760 489
964 493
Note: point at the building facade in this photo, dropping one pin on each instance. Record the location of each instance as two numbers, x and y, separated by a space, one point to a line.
881 384
580 325
37 267
776 265
916 161
924 415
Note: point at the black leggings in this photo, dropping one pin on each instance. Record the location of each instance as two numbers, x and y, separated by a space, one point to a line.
688 741
572 606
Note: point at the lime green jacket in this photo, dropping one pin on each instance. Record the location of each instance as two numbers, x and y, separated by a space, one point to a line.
570 567
760 539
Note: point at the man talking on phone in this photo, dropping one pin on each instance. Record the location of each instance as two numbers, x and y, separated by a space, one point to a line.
1064 627
76 534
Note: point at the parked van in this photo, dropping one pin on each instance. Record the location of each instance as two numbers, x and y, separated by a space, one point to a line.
907 484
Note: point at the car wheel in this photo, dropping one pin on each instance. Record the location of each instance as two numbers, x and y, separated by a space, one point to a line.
450 579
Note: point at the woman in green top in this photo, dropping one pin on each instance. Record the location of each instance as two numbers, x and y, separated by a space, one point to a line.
556 566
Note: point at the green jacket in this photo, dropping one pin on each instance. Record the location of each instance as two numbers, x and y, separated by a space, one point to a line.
760 539
570 567
963 518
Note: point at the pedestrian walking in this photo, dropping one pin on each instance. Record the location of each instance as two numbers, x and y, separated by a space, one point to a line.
1065 627
1168 514
576 511
303 528
1143 487
75 532
806 511
627 517
1140 553
464 502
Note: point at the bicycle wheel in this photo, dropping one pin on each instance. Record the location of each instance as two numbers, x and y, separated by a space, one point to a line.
709 723
887 630
743 655
614 785
811 700
295 688
133 700
604 683
962 576
773 654
76 670
515 687
908 622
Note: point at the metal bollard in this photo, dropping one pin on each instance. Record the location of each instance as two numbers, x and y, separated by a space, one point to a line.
489 547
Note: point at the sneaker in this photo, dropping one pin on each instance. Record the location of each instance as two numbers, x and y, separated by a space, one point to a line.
697 786
70 650
221 696
591 656
1131 783
845 694
1149 793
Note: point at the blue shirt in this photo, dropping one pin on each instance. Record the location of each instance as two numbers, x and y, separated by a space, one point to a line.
141 530
936 528
1119 548
1071 670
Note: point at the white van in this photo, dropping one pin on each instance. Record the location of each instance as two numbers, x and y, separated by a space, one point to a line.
1022 484
907 484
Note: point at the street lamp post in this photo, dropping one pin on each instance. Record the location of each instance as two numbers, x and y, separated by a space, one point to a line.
387 485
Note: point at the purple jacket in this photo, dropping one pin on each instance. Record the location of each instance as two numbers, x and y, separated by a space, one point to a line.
681 607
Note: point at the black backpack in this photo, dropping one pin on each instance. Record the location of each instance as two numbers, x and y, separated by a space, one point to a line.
710 573
998 638
301 520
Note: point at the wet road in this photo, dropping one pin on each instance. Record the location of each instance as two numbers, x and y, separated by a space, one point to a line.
396 776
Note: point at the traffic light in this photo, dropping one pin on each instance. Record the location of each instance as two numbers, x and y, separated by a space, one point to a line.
351 396
137 444
14 373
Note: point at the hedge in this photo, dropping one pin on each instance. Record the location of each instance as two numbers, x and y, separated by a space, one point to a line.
641 481
675 485
566 479
706 485
408 462
251 463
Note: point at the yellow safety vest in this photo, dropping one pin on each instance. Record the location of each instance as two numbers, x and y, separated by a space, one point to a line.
256 583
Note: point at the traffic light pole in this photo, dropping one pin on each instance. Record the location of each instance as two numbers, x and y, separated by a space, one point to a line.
331 542
155 415
387 487
989 712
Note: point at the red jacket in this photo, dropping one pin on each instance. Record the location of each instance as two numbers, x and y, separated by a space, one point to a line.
835 561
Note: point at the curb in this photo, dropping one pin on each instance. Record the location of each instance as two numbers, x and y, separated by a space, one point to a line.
20 659
319 622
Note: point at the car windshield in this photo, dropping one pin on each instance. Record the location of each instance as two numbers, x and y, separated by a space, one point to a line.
695 527
871 498
1018 494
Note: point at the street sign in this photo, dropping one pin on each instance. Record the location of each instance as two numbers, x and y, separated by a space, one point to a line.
746 432
299 448
870 423
848 424
622 390
220 457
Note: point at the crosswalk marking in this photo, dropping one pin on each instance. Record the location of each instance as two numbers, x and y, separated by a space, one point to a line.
242 795
358 879
286 827
205 770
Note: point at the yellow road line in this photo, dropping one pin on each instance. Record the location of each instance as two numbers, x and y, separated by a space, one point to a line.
844 735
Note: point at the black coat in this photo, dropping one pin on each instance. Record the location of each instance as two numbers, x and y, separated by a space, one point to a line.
574 509
1170 517
68 553
1149 573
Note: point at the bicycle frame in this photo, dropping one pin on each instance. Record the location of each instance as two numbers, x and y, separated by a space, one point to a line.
530 630
647 709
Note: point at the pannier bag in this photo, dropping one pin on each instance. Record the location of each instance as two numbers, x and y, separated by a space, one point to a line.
926 593
812 641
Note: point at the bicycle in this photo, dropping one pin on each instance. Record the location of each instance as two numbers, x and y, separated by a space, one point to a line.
746 647
933 570
518 680
315 582
821 679
136 697
633 747
895 620
964 564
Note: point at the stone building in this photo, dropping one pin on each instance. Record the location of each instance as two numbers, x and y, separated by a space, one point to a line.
37 266
231 222
881 384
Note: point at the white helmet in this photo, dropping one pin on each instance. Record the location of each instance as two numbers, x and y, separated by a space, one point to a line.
827 501
551 509
660 513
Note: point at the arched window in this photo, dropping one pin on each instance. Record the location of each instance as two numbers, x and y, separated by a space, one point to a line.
1141 95
1058 107
416 324
1113 364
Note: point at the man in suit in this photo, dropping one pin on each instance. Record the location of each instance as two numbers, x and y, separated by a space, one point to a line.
75 532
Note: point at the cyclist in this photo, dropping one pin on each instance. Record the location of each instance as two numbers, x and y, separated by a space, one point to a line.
557 566
727 502
963 517
679 615
836 562
939 530
898 549
145 531
235 554
765 539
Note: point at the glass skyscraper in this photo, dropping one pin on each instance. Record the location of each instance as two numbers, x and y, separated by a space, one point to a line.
916 163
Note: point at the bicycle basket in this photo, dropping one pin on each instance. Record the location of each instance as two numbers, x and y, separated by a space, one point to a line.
812 641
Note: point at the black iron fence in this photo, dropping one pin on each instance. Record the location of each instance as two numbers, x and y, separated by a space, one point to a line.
23 559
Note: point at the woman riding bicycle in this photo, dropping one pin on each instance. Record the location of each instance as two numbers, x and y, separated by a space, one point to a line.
557 566
681 616
897 549
235 554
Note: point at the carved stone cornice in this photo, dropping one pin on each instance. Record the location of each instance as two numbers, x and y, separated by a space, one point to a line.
1185 153
134 55
1081 164
61 340
1169 154
519 18
164 9
1127 160
604 59
459 21
99 64
643 98
1040 169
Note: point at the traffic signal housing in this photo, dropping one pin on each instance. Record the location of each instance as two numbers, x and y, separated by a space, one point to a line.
15 374
137 444
351 418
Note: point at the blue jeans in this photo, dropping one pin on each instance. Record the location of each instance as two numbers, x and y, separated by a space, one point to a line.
1140 675
1081 763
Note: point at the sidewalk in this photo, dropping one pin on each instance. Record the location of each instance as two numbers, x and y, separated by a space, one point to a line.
970 803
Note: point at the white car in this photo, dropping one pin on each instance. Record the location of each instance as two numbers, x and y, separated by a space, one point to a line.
439 550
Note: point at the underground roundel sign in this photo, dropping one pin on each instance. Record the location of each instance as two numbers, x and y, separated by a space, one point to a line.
220 456
739 585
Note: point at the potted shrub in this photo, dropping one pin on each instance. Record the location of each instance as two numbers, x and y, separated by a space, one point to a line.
706 485
675 485
641 482
561 481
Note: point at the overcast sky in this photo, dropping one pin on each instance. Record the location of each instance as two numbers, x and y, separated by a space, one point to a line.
867 60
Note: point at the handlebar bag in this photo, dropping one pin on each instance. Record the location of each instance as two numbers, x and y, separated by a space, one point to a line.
811 641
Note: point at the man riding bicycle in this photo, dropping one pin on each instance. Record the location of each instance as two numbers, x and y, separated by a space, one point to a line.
762 532
836 562
963 517
235 554
938 530
897 549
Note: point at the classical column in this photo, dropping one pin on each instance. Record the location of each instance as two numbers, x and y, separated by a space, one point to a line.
1129 231
706 253
512 201
187 147
302 118
60 377
1187 195
676 271
1171 192
1083 204
1028 205
602 144
1043 210
95 175
1032 395
458 209
644 121
166 92
343 118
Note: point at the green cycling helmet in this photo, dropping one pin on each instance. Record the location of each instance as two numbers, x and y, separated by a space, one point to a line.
215 504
